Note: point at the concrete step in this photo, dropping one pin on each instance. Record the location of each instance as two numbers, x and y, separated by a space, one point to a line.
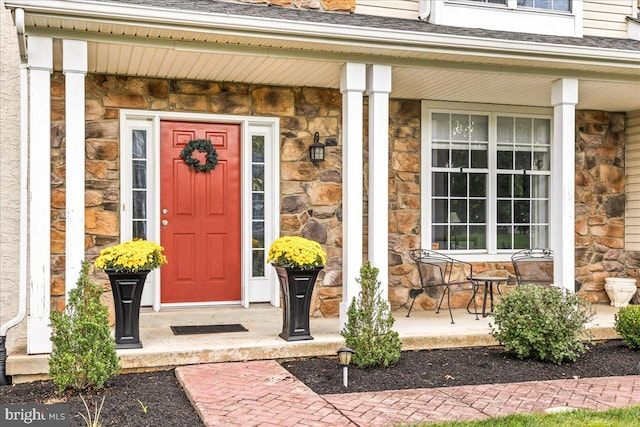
163 350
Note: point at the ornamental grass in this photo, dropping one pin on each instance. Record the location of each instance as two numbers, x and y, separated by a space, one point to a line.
131 257
296 252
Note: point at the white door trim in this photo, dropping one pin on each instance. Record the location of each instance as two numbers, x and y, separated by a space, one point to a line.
252 289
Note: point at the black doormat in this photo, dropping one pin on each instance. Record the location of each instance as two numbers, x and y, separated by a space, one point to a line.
208 329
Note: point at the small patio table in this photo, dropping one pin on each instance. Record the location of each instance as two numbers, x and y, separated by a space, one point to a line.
487 282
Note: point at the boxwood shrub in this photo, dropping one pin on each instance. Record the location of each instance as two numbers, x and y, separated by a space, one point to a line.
627 325
542 322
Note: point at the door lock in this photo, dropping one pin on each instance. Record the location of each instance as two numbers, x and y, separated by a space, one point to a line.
164 211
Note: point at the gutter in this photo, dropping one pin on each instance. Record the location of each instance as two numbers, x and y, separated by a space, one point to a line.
18 17
424 9
24 155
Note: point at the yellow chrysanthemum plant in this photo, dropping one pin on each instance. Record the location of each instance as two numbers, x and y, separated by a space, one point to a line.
297 252
131 257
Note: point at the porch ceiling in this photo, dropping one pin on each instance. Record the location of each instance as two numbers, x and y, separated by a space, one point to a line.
425 66
431 81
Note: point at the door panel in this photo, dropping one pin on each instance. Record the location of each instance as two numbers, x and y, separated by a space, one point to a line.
203 223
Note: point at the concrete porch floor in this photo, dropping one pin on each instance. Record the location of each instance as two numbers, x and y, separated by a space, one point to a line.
162 349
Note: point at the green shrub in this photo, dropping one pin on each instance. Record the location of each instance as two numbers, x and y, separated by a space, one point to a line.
369 320
84 354
627 324
542 322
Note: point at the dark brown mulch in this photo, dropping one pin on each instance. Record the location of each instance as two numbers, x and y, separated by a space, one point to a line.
467 366
167 405
124 395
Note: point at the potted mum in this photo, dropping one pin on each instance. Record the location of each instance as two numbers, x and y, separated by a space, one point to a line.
127 266
297 262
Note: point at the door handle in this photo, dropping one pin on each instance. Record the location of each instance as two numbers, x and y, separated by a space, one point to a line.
164 222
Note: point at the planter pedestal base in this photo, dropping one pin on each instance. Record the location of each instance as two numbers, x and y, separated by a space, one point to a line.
127 294
296 287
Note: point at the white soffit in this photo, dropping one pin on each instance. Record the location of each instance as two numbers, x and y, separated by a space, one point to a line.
167 63
497 88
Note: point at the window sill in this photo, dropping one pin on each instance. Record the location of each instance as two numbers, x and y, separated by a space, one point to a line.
478 257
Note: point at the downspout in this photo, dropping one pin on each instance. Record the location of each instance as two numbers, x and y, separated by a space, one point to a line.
424 9
24 155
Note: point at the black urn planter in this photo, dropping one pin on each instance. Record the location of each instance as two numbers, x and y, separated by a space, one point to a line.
297 287
127 293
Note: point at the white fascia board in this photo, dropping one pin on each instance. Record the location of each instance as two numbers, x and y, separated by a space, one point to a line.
326 33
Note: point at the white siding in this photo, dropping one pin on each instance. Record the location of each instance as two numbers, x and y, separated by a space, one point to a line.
405 9
607 18
632 188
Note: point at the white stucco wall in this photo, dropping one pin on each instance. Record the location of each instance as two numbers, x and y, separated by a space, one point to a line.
9 177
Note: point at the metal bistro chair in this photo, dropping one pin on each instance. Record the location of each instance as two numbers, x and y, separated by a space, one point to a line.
439 270
533 266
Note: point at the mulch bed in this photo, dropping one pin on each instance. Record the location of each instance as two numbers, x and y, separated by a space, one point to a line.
466 366
167 405
124 396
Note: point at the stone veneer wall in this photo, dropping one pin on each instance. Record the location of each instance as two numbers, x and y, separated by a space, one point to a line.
599 230
404 197
310 195
600 200
405 208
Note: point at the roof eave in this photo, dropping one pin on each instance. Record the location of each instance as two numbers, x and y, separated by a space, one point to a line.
319 32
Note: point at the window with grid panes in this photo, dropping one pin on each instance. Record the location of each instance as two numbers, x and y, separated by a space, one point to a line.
523 172
561 5
490 173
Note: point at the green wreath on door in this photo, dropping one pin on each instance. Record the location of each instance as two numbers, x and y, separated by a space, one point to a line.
203 146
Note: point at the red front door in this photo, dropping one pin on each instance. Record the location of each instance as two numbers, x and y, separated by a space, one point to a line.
200 215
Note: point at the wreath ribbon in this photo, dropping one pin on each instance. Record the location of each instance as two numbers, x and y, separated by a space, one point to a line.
203 146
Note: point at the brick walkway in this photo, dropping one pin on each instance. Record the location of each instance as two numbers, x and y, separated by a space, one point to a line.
263 393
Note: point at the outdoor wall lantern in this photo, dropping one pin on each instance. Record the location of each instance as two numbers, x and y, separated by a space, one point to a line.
344 357
316 151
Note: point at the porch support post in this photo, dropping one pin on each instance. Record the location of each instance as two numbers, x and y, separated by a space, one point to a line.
352 85
40 50
564 97
74 64
378 89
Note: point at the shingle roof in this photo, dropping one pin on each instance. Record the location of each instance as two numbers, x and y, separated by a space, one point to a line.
360 20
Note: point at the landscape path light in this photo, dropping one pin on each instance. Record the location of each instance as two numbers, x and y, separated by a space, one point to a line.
344 357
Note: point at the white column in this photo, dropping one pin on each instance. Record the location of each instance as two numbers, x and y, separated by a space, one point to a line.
564 97
74 65
40 51
378 89
352 85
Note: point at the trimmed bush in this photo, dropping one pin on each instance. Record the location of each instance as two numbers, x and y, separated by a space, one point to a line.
627 325
369 320
542 322
84 354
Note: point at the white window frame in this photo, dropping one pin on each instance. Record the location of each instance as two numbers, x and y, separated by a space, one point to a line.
492 111
262 289
509 17
126 194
